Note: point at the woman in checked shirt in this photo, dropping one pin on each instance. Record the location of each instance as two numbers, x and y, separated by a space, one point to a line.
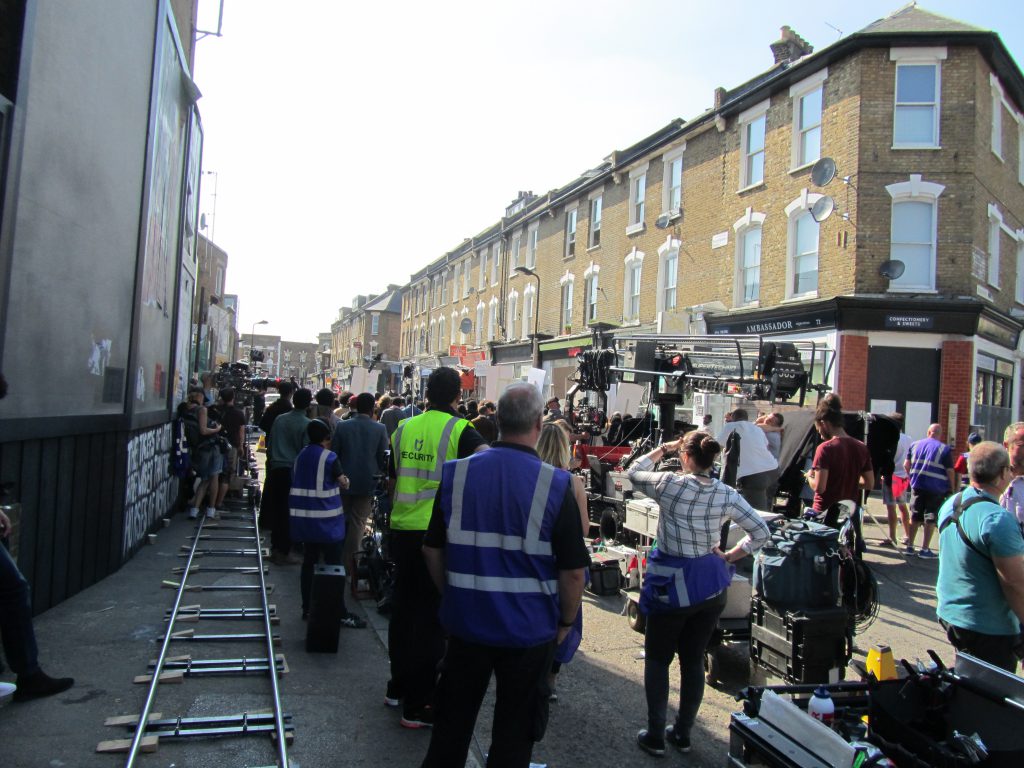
684 588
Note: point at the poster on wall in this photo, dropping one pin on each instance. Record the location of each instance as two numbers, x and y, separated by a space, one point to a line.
187 270
161 229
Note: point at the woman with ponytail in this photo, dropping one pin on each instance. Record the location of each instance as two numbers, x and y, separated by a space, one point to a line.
687 576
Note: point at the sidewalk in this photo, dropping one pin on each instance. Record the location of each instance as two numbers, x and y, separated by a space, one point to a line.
105 635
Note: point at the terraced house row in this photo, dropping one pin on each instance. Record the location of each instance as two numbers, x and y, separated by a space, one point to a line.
915 279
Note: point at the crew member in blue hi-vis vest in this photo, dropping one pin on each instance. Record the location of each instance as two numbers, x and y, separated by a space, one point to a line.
930 465
315 515
505 547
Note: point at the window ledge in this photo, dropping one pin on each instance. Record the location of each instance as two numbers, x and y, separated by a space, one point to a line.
929 147
911 289
998 156
750 187
593 248
633 229
800 168
748 305
800 297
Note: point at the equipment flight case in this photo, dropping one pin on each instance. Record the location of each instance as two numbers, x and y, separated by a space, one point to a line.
808 646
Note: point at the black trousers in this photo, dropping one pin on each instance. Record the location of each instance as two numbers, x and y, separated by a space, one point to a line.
685 632
997 650
415 636
274 508
520 707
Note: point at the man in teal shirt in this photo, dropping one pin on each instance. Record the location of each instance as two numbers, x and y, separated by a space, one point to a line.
981 563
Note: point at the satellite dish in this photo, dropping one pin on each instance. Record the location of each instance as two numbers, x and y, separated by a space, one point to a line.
823 171
822 208
662 221
892 269
466 325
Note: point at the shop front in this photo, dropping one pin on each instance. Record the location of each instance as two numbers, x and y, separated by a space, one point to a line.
951 362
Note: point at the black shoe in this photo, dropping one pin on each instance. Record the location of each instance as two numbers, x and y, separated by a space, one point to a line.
650 744
421 718
682 743
40 685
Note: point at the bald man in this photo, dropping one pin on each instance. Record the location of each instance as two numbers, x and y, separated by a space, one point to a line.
930 465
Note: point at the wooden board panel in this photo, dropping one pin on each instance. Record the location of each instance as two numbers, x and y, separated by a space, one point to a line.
79 507
62 541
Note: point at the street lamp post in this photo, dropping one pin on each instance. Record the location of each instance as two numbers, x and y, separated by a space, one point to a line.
536 313
252 341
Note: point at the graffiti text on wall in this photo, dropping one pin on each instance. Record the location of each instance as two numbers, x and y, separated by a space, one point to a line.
151 488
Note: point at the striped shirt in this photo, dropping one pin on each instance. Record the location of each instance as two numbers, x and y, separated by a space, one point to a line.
693 510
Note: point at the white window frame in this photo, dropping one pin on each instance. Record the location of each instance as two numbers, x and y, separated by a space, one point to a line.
998 99
594 222
444 287
529 296
798 92
748 222
591 288
631 288
456 281
515 252
995 227
1019 292
432 336
478 330
492 318
795 211
917 190
442 334
375 323
746 120
467 267
455 327
511 313
482 277
667 253
462 315
532 240
933 56
566 285
637 199
496 263
572 220
669 160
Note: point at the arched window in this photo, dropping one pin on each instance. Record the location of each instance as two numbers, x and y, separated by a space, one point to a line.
912 238
747 282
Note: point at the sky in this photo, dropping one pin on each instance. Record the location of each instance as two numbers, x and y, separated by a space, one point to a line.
350 143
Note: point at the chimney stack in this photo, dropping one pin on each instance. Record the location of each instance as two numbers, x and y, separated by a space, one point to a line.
790 47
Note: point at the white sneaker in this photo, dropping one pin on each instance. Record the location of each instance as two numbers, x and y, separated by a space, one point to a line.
211 513
193 513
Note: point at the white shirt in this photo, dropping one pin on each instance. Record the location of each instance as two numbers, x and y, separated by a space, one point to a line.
901 455
754 454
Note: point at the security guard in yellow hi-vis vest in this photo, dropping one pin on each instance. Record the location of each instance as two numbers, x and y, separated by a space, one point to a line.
419 448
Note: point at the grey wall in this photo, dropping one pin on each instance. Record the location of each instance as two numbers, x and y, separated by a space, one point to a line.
84 99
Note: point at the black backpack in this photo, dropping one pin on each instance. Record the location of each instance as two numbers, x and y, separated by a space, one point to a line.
798 569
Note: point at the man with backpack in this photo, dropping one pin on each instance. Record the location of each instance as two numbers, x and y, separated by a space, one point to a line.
981 564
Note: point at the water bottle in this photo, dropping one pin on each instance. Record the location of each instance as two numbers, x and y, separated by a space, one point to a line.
821 707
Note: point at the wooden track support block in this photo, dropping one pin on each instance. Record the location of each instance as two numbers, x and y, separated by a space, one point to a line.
129 719
148 744
170 676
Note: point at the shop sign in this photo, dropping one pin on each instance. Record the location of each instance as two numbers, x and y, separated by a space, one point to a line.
910 321
573 351
821 318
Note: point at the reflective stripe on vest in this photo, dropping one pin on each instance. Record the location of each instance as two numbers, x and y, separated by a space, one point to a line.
418 471
314 501
531 544
927 473
500 509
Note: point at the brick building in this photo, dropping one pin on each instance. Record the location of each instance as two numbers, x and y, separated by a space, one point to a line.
370 327
913 287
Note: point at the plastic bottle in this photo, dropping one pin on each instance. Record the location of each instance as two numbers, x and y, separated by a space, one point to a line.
821 707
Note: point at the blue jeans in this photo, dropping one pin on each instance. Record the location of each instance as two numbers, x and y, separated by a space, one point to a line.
19 638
